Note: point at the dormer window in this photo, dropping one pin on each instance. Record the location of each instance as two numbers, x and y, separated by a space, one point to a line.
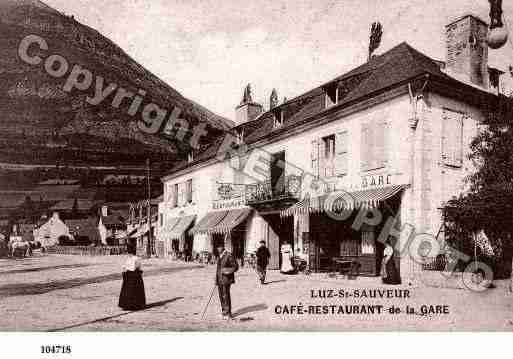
331 95
240 137
278 118
190 157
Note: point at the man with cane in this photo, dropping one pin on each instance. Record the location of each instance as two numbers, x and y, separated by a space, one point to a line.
226 267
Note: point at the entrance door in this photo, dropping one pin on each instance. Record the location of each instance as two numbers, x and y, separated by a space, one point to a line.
278 173
273 243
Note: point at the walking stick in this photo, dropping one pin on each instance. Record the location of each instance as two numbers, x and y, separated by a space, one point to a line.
208 303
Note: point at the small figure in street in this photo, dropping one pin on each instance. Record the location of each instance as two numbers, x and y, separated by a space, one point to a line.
389 273
225 276
262 261
132 296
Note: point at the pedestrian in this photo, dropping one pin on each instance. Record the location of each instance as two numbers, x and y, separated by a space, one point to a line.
389 272
132 296
263 256
225 276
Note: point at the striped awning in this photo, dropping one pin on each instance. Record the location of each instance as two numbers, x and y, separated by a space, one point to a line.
181 226
341 200
141 231
221 221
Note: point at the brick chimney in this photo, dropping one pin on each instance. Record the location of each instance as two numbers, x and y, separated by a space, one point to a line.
467 50
247 110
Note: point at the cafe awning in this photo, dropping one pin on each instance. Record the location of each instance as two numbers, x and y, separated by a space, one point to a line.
221 221
340 200
181 226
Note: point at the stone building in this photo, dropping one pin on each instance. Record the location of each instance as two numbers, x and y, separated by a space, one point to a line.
376 150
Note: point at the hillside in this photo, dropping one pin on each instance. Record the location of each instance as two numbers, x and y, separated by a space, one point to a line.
42 124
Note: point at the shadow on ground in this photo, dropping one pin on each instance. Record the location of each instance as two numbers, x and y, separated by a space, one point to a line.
105 319
250 309
20 289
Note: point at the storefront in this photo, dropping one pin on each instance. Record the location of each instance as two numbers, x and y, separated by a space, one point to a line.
176 237
228 227
334 231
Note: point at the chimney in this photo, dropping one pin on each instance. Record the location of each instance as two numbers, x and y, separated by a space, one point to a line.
247 110
467 50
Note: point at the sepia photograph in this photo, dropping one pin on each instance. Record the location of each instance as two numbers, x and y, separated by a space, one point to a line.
259 165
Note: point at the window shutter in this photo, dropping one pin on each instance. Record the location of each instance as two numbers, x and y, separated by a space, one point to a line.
379 154
444 138
322 157
175 195
341 159
189 191
452 138
458 141
365 147
315 157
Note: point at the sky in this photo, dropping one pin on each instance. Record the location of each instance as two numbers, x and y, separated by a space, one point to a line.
209 50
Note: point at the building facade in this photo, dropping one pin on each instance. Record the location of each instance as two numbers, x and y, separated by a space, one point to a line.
369 156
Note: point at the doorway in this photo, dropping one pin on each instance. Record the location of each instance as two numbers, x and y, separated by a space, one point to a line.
278 173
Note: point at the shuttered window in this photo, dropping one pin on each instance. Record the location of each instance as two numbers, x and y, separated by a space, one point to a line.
328 156
374 145
189 191
174 202
365 146
342 148
452 138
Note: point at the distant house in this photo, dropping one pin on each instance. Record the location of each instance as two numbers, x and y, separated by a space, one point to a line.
75 208
84 231
112 226
48 233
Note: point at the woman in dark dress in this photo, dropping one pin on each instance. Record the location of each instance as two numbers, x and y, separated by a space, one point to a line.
389 273
132 296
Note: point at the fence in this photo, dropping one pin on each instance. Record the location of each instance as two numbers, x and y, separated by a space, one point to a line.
88 251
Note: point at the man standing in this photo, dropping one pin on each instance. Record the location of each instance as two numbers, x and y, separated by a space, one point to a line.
263 256
226 267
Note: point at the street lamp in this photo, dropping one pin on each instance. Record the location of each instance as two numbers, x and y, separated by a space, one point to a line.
498 34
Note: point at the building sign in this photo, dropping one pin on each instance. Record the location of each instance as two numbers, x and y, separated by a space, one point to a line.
376 181
229 204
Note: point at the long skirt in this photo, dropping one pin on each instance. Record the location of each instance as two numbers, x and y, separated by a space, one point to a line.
132 296
389 272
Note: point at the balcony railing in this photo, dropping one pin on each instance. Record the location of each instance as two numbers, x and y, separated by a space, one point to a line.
290 187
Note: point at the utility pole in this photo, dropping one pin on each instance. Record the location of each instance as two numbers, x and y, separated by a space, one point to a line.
149 247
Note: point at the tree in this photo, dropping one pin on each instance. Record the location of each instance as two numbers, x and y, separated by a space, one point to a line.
488 205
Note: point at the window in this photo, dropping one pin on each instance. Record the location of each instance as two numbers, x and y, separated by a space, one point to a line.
331 95
328 158
278 118
373 147
240 137
174 203
189 191
452 138
161 219
342 153
314 157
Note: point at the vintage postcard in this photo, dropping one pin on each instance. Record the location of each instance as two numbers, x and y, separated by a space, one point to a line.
260 165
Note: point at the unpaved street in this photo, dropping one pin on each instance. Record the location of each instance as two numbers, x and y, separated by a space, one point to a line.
73 293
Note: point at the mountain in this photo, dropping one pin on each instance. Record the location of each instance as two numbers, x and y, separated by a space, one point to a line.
41 124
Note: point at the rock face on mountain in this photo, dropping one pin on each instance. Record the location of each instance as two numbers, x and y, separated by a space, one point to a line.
42 124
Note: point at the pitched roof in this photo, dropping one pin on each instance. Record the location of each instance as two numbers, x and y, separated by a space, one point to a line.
113 220
395 67
67 205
